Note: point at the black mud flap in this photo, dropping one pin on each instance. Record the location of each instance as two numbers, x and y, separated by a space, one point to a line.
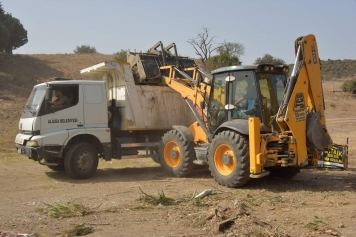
336 157
317 137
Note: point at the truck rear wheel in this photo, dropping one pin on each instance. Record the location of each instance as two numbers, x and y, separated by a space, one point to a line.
176 155
81 161
228 159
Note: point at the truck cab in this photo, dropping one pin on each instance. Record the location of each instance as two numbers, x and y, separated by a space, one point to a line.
47 132
241 92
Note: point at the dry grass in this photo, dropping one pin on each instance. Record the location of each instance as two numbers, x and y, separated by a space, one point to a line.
65 210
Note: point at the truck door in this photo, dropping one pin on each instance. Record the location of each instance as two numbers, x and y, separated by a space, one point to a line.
58 119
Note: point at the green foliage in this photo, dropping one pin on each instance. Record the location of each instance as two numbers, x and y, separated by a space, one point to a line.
267 58
78 230
4 37
64 210
222 60
85 49
121 56
232 49
334 69
2 12
155 200
12 33
349 86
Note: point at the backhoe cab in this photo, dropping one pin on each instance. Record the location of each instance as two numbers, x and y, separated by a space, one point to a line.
250 120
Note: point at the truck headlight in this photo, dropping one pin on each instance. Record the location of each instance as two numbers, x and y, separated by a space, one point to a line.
32 143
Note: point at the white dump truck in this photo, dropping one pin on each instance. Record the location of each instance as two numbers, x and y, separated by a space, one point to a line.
122 109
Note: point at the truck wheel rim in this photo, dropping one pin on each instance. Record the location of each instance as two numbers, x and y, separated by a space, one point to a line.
85 161
222 168
168 148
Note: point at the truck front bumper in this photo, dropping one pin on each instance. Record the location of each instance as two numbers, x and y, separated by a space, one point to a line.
34 153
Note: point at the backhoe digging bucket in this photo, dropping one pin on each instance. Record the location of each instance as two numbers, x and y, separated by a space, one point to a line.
317 136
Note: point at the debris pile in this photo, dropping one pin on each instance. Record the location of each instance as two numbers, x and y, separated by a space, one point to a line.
12 234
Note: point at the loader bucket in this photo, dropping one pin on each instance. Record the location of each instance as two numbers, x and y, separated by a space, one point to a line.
146 66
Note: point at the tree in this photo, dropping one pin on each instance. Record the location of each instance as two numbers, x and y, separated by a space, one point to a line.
2 12
203 45
4 34
267 58
233 49
4 37
17 35
85 49
222 60
349 86
121 56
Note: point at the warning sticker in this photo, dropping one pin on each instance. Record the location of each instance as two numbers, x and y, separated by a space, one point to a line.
299 107
314 54
335 157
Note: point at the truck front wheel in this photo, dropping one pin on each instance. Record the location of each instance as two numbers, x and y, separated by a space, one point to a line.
228 159
81 161
176 155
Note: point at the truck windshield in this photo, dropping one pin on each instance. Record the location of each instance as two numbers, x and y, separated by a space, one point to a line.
34 102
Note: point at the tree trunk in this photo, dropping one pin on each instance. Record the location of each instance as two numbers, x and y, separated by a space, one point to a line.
8 50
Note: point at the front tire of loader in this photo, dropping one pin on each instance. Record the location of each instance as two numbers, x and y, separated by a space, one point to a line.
176 155
229 160
81 161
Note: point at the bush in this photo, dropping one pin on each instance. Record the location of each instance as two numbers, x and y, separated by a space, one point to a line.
84 49
349 86
121 56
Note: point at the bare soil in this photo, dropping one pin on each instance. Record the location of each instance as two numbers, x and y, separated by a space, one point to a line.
314 203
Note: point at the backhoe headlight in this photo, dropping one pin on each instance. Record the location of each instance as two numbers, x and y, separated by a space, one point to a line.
32 143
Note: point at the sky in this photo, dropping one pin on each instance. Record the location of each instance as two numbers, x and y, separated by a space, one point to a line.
262 26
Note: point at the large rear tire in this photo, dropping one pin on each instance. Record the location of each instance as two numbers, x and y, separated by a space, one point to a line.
81 161
228 159
176 155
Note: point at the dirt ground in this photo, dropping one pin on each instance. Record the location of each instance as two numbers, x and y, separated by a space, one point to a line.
314 203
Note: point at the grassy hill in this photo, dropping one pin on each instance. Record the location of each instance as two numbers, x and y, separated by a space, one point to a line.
334 69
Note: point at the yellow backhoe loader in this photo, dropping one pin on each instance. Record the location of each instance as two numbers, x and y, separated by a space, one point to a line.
251 121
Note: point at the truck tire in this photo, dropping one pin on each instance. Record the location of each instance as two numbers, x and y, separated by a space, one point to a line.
81 161
229 160
283 172
176 155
